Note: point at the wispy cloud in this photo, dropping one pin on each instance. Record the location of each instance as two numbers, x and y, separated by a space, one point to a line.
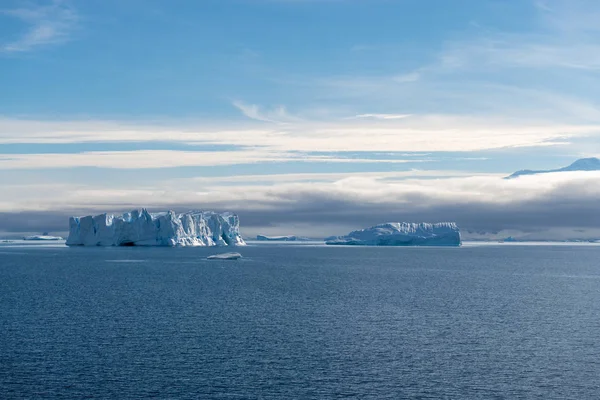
563 35
572 17
143 159
46 25
383 116
415 134
135 159
524 51
547 71
278 115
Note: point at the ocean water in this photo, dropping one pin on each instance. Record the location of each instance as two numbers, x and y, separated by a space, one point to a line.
300 322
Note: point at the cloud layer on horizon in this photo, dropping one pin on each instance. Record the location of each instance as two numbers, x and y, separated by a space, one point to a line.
484 204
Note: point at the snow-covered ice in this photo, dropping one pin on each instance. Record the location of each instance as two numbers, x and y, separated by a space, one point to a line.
289 238
42 237
141 228
402 234
225 256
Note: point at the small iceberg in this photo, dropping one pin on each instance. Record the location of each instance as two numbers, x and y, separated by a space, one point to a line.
225 256
43 236
288 238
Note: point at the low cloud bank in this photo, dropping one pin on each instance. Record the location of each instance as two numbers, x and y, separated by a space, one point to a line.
482 206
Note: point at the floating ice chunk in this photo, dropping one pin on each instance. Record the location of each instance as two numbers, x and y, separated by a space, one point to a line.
288 238
42 237
225 256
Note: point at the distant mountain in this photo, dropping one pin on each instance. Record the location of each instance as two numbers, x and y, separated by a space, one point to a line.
583 164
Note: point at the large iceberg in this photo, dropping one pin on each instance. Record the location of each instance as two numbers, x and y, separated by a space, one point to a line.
402 234
141 228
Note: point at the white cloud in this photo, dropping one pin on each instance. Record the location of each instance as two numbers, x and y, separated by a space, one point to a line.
142 159
548 71
135 159
47 25
526 51
372 188
483 202
422 133
269 179
570 17
278 115
563 35
383 116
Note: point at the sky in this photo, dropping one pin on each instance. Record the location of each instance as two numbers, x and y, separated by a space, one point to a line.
311 117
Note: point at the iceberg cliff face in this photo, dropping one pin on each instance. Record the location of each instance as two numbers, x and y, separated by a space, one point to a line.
141 228
402 234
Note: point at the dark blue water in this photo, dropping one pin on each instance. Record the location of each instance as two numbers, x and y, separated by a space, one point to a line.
298 322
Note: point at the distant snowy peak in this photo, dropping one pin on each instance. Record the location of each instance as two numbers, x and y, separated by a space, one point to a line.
403 234
289 238
583 164
141 228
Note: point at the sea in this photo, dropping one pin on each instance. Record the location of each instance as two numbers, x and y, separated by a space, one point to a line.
308 321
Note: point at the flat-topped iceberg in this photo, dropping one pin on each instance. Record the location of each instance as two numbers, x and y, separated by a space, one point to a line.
402 234
141 228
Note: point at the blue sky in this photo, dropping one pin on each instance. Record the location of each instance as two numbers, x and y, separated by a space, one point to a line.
253 105
193 59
